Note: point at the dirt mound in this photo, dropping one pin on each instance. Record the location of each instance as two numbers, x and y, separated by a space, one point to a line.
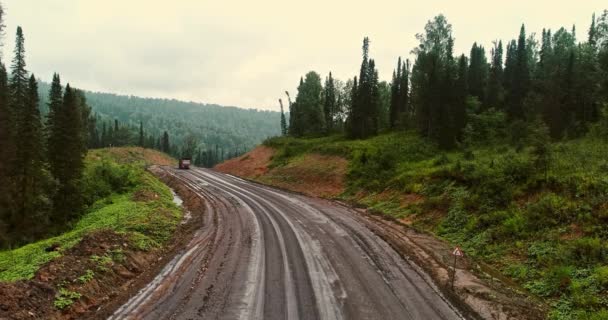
312 174
250 165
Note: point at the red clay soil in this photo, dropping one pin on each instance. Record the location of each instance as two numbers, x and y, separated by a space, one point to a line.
250 165
34 299
313 174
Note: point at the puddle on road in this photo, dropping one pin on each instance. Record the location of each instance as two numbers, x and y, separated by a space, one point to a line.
180 203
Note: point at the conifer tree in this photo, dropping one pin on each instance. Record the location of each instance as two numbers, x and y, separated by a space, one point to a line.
54 144
283 120
495 93
478 73
68 170
365 103
7 153
166 147
141 135
330 103
521 79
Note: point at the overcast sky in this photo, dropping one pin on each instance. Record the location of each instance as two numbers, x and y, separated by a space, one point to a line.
246 53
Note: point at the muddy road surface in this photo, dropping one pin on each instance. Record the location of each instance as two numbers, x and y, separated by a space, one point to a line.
263 253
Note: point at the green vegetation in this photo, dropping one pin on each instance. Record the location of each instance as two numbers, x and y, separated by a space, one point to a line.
88 276
112 187
65 298
542 223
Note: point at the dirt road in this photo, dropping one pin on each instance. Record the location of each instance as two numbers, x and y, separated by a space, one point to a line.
262 253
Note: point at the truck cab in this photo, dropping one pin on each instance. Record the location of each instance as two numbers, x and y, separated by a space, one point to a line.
184 163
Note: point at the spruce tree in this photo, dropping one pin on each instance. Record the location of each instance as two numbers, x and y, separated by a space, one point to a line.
68 170
283 120
28 161
478 73
141 135
7 151
404 93
395 105
364 114
521 79
495 93
54 143
166 147
329 106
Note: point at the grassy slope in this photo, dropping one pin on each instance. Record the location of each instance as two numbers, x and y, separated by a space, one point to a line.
142 221
548 233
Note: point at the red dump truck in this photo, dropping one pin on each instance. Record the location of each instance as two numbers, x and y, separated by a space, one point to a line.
184 163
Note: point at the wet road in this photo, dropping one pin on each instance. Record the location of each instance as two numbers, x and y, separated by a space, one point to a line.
263 253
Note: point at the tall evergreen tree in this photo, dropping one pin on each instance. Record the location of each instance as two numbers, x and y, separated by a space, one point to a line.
166 147
283 119
54 143
68 170
7 151
330 103
395 86
495 93
478 73
520 79
141 135
28 165
365 104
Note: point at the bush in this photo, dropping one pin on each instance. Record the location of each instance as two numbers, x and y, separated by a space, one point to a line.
586 251
549 211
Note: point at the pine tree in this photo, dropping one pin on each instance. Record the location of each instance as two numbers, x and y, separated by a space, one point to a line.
461 89
478 73
54 144
592 34
495 94
364 113
521 79
330 104
28 161
141 135
31 178
283 120
395 105
7 151
68 170
166 147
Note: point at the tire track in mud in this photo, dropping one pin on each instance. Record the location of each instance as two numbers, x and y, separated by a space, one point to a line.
262 253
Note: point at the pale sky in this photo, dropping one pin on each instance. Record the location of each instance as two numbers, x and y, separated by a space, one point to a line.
247 53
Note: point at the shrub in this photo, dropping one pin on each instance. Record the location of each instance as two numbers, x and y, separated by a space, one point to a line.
549 211
586 251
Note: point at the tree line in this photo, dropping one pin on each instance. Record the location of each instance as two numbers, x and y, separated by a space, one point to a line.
41 159
556 82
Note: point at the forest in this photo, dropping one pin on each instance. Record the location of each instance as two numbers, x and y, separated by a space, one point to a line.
41 159
554 85
208 133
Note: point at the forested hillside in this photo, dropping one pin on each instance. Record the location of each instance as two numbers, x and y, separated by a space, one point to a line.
230 129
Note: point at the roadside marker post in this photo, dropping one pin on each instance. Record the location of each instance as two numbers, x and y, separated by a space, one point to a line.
456 253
